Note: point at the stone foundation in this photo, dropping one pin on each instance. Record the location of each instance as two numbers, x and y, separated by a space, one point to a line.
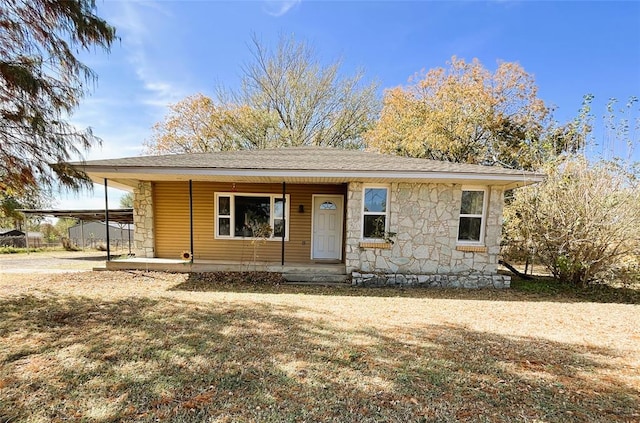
432 281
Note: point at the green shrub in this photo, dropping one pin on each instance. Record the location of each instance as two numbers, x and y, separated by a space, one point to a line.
18 250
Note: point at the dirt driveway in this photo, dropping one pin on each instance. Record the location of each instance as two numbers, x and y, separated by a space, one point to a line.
51 262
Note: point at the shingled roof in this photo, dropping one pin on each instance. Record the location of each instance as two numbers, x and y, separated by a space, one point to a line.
323 163
299 158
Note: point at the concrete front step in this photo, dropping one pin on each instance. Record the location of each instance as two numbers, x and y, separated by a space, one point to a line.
315 277
325 284
318 269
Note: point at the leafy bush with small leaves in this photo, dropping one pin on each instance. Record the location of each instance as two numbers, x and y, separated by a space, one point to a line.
582 222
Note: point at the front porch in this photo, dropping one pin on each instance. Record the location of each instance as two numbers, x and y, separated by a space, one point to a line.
293 272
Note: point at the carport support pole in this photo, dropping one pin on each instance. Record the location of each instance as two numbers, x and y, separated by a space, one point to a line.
284 221
82 233
106 218
191 218
26 232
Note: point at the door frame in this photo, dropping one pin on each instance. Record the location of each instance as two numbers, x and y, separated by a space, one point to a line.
313 221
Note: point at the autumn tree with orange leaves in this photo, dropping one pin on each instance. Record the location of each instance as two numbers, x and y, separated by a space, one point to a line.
193 125
466 113
196 124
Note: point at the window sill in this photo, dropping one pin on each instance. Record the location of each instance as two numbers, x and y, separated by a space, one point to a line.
248 238
472 248
382 245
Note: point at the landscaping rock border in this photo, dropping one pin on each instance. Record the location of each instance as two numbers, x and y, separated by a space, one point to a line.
471 281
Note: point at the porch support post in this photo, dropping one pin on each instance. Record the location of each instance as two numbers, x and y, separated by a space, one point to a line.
191 218
284 220
106 219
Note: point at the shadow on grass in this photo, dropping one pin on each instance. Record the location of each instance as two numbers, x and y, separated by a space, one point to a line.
69 358
541 289
598 293
87 258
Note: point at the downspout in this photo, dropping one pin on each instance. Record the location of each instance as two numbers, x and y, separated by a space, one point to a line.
191 219
284 220
106 218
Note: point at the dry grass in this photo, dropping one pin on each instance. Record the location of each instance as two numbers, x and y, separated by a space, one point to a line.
119 346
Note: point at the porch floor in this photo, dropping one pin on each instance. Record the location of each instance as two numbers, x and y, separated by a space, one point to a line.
301 272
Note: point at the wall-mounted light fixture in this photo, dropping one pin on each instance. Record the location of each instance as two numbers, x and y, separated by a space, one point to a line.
301 208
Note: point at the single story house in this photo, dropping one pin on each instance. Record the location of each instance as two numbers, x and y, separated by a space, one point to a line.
379 218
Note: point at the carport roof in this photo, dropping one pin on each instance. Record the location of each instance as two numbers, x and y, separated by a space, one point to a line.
115 215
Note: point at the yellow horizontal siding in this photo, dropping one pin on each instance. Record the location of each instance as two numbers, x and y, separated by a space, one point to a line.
171 218
171 211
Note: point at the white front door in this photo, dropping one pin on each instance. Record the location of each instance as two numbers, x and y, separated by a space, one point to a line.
327 227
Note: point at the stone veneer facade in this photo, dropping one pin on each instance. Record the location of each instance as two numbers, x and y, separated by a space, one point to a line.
143 220
425 249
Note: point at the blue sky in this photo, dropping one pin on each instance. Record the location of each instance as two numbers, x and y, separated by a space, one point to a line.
171 49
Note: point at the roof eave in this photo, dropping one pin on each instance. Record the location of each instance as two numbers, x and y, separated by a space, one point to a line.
99 173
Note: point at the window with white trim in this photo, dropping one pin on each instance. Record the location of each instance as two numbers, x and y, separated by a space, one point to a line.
242 215
375 217
472 216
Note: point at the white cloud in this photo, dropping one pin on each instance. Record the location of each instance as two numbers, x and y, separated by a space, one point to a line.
163 93
279 8
118 145
136 85
121 135
136 20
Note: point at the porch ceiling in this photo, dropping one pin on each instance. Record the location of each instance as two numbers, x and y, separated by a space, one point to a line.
123 216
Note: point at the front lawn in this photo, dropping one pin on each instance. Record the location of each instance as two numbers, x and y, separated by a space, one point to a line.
132 346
